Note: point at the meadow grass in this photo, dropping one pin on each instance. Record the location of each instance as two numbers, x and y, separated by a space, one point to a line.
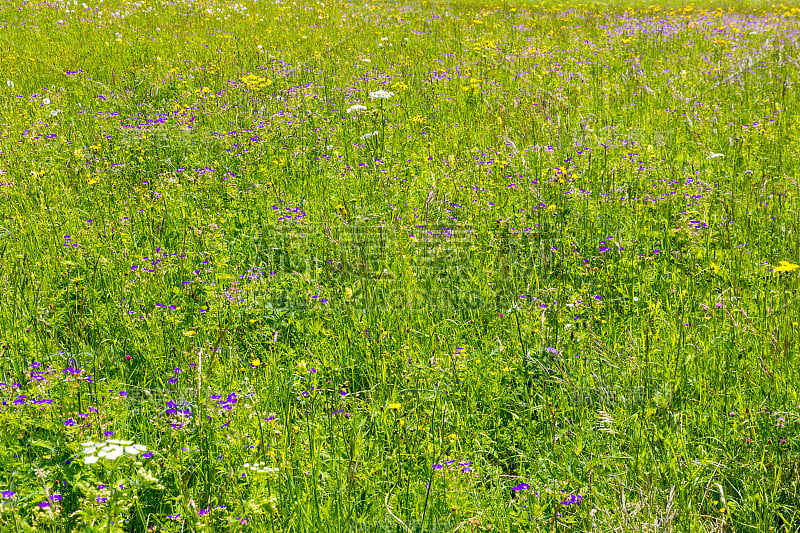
426 266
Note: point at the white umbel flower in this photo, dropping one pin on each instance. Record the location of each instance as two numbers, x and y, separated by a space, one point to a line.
261 468
357 107
135 449
115 453
110 450
380 94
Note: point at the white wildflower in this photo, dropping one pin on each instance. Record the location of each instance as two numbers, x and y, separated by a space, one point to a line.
110 450
715 155
357 107
115 454
46 101
135 449
10 83
380 94
261 468
368 135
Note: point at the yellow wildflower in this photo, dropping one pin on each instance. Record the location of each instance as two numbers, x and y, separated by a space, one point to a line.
785 266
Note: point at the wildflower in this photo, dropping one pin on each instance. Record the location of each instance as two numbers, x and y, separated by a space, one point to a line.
394 406
521 486
380 94
368 135
110 450
10 84
8 493
111 453
357 107
134 449
261 468
785 266
46 101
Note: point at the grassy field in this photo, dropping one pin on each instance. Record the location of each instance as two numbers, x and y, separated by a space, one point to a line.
425 266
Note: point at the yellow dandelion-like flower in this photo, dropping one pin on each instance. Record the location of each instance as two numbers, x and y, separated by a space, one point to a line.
785 266
394 406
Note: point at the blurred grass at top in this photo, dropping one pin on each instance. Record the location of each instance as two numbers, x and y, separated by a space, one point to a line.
557 254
